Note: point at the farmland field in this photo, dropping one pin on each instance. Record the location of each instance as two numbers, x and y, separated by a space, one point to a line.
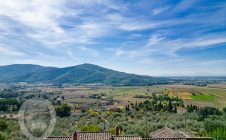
210 95
92 105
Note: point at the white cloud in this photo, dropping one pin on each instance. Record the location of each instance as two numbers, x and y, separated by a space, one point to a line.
137 25
158 45
159 10
184 5
205 42
37 18
37 14
154 40
169 47
81 30
42 21
10 52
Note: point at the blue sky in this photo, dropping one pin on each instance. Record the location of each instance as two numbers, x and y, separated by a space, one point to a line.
151 37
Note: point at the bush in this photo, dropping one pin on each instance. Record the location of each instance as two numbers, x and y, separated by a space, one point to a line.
63 111
3 125
224 109
206 111
214 125
218 134
90 128
2 136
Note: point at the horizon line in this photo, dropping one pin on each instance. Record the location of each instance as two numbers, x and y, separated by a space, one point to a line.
172 76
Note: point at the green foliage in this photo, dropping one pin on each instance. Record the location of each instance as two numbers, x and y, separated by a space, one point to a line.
211 125
160 103
140 96
206 111
203 112
192 108
224 109
202 97
132 123
3 125
63 110
2 136
95 96
8 93
218 134
91 128
85 73
37 132
9 104
216 129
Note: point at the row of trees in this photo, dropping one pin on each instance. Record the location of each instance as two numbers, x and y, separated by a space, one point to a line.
9 93
204 112
9 105
163 103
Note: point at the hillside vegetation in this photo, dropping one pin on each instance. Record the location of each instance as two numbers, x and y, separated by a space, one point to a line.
80 74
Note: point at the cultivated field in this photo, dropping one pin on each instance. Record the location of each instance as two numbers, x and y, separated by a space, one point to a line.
211 95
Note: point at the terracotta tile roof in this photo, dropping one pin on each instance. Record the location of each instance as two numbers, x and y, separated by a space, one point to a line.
166 132
58 138
127 138
86 136
94 135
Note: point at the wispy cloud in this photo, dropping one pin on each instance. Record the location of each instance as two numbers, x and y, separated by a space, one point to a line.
157 11
10 52
111 32
153 40
160 45
168 50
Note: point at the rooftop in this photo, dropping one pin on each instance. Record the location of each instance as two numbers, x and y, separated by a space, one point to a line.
166 132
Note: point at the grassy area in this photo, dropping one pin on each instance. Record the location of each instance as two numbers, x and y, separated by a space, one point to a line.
203 97
200 96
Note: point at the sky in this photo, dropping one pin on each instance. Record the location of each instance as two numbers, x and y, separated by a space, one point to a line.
148 37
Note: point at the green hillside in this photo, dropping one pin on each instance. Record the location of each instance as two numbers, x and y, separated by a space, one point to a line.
80 74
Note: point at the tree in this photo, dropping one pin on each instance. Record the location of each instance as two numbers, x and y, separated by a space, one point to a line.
169 107
3 125
206 111
127 108
9 104
224 109
63 111
192 108
2 136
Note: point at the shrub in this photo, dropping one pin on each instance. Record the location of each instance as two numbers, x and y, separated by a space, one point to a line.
3 125
90 128
63 111
224 109
2 136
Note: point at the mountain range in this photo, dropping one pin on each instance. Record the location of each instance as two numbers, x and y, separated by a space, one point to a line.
80 74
